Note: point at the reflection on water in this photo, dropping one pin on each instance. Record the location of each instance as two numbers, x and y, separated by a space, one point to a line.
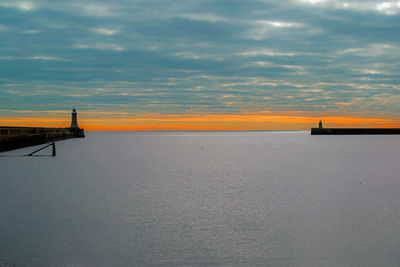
204 199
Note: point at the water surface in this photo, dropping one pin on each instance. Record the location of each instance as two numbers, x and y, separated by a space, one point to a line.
203 199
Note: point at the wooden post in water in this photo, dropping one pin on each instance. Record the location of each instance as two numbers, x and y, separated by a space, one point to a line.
54 148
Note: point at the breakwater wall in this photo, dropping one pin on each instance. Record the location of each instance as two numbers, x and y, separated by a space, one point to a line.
18 137
354 131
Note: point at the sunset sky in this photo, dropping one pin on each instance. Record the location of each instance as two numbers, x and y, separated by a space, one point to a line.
200 64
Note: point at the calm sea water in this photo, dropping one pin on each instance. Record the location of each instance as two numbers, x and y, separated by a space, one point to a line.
203 199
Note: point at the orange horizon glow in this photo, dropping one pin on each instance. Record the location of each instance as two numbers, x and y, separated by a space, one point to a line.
159 122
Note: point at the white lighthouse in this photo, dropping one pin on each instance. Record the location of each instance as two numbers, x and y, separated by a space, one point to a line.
74 119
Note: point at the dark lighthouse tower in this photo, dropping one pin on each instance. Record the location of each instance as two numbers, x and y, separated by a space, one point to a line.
78 132
74 119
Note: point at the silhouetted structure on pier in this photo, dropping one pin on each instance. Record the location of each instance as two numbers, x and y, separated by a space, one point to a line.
18 137
74 119
352 131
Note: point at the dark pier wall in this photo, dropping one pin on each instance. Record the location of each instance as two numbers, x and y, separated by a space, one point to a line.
18 137
354 131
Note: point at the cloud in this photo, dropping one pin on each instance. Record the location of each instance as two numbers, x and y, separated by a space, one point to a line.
266 52
313 2
100 46
194 55
205 17
104 31
372 50
21 5
264 29
4 28
384 7
388 8
278 24
48 58
31 31
96 9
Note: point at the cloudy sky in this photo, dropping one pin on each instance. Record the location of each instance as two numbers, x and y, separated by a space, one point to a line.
200 64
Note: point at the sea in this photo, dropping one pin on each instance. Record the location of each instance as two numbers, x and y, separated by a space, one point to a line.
277 198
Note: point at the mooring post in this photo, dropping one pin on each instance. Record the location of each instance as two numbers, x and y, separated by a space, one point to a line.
54 148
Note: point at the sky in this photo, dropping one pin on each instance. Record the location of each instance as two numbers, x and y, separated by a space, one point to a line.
200 64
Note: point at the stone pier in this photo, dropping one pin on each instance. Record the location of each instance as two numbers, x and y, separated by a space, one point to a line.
18 137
